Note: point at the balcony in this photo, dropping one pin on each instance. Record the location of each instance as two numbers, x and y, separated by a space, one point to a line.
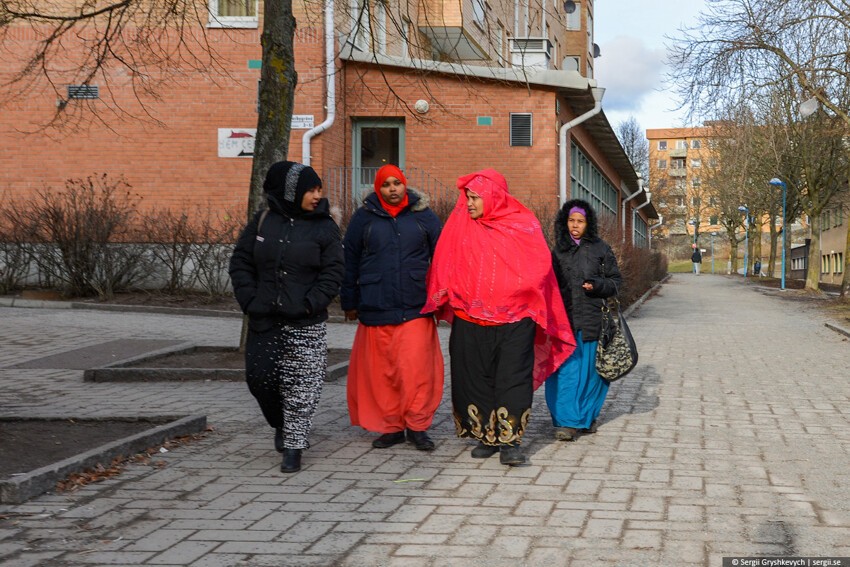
677 172
452 33
531 52
679 152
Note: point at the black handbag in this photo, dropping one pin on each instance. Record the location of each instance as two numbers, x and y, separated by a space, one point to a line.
616 354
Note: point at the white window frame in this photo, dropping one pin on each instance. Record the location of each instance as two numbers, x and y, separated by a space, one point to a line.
696 163
662 164
696 144
681 144
360 35
662 145
216 21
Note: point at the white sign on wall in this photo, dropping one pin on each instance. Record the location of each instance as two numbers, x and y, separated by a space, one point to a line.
302 121
236 142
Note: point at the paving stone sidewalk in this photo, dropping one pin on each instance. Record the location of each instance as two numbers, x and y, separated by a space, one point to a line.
730 438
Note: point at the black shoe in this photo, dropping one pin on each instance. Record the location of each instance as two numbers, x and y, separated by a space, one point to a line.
594 427
420 439
388 440
291 461
511 455
482 451
566 433
278 439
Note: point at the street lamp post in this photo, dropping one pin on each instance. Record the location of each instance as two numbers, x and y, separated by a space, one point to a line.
776 181
746 212
713 234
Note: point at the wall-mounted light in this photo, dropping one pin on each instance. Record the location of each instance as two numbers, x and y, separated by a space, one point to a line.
421 106
596 51
569 6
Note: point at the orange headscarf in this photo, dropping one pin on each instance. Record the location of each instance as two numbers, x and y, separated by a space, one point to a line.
386 171
498 268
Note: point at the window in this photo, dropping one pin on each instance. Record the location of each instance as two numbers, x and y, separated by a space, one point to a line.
713 219
839 263
696 144
662 145
233 14
574 19
589 183
824 264
521 129
681 184
695 201
696 163
677 163
679 200
662 164
360 36
681 145
712 201
381 27
696 182
712 162
479 12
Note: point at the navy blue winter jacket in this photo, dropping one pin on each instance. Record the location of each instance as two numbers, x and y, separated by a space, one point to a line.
387 260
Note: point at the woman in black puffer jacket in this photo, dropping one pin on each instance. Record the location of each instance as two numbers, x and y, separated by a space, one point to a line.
587 274
286 268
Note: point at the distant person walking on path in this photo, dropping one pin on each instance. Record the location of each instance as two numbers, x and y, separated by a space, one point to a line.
286 268
587 273
492 279
696 258
395 377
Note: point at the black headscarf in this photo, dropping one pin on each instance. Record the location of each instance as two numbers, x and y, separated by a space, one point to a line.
285 185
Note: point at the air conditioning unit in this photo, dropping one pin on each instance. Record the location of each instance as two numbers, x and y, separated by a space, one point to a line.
531 52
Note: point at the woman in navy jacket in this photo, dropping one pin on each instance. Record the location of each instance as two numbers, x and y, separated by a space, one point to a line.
286 268
395 377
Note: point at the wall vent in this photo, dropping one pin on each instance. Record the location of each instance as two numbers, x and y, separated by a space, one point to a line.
83 92
521 129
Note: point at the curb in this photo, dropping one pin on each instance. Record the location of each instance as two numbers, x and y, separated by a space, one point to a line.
838 329
158 310
127 370
21 488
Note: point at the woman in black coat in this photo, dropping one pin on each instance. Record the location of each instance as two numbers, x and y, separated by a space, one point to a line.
286 268
587 274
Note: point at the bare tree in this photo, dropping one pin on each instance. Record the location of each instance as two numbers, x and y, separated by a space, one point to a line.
744 48
633 139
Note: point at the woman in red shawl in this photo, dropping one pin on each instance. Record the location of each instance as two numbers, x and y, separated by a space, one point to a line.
492 278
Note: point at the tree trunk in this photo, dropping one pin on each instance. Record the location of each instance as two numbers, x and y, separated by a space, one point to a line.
774 235
813 273
277 93
276 98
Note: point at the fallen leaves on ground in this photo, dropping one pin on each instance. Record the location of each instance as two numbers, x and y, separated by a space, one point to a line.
102 472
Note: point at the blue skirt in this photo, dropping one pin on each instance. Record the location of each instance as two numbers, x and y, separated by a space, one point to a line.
575 393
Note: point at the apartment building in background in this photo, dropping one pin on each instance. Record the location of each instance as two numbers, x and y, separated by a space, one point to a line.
678 160
439 87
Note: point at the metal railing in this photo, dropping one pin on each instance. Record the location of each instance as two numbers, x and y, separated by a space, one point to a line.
346 187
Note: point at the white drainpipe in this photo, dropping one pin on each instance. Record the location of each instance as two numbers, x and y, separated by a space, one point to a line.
656 225
331 85
634 212
626 200
562 140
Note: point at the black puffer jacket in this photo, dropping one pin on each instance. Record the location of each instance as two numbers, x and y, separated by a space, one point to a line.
592 261
291 271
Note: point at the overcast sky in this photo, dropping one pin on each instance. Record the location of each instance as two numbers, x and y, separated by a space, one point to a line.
630 34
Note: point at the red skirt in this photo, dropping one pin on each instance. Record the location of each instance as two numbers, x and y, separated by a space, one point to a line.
395 377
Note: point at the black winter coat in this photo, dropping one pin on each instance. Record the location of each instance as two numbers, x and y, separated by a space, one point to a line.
290 272
387 260
592 261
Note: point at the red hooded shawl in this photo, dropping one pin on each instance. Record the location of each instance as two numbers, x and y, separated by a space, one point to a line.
498 268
